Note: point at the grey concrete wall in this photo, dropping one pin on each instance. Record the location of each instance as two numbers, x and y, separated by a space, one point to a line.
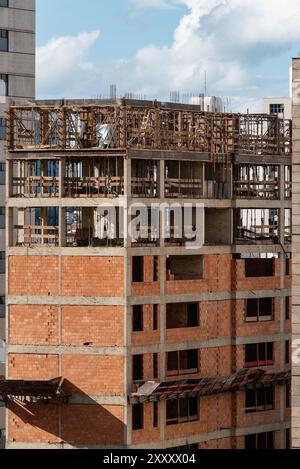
19 64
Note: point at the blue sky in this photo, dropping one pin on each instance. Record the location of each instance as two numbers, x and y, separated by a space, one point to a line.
151 47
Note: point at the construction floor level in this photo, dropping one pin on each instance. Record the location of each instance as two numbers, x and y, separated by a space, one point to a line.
138 341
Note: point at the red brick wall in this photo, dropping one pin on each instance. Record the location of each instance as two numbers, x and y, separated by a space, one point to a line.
80 424
33 367
33 275
215 361
223 443
93 425
94 375
99 325
33 325
35 423
93 276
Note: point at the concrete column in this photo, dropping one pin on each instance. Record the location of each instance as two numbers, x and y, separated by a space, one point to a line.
62 175
282 182
161 179
44 222
162 419
9 179
62 227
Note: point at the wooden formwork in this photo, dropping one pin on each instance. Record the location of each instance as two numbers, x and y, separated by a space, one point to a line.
122 125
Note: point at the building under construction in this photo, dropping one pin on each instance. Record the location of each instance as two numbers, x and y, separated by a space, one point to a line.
136 341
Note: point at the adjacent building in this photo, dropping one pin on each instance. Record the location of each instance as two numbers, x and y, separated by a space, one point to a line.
282 107
17 81
137 341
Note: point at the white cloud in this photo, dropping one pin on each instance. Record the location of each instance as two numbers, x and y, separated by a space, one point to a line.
225 38
144 4
62 65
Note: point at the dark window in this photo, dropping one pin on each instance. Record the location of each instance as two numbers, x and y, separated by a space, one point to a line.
288 267
185 268
137 417
276 108
2 262
3 3
182 411
260 441
259 267
287 307
2 217
155 317
182 363
2 306
193 314
287 352
138 323
182 315
3 40
2 129
137 368
259 309
259 400
155 365
288 395
155 269
259 354
155 414
137 269
2 174
3 84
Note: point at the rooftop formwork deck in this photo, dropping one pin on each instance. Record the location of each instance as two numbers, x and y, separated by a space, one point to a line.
145 125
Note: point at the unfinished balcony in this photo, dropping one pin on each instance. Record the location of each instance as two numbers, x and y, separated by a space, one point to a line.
94 178
144 178
34 179
192 180
182 227
68 178
144 232
34 227
92 227
257 226
183 180
257 182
